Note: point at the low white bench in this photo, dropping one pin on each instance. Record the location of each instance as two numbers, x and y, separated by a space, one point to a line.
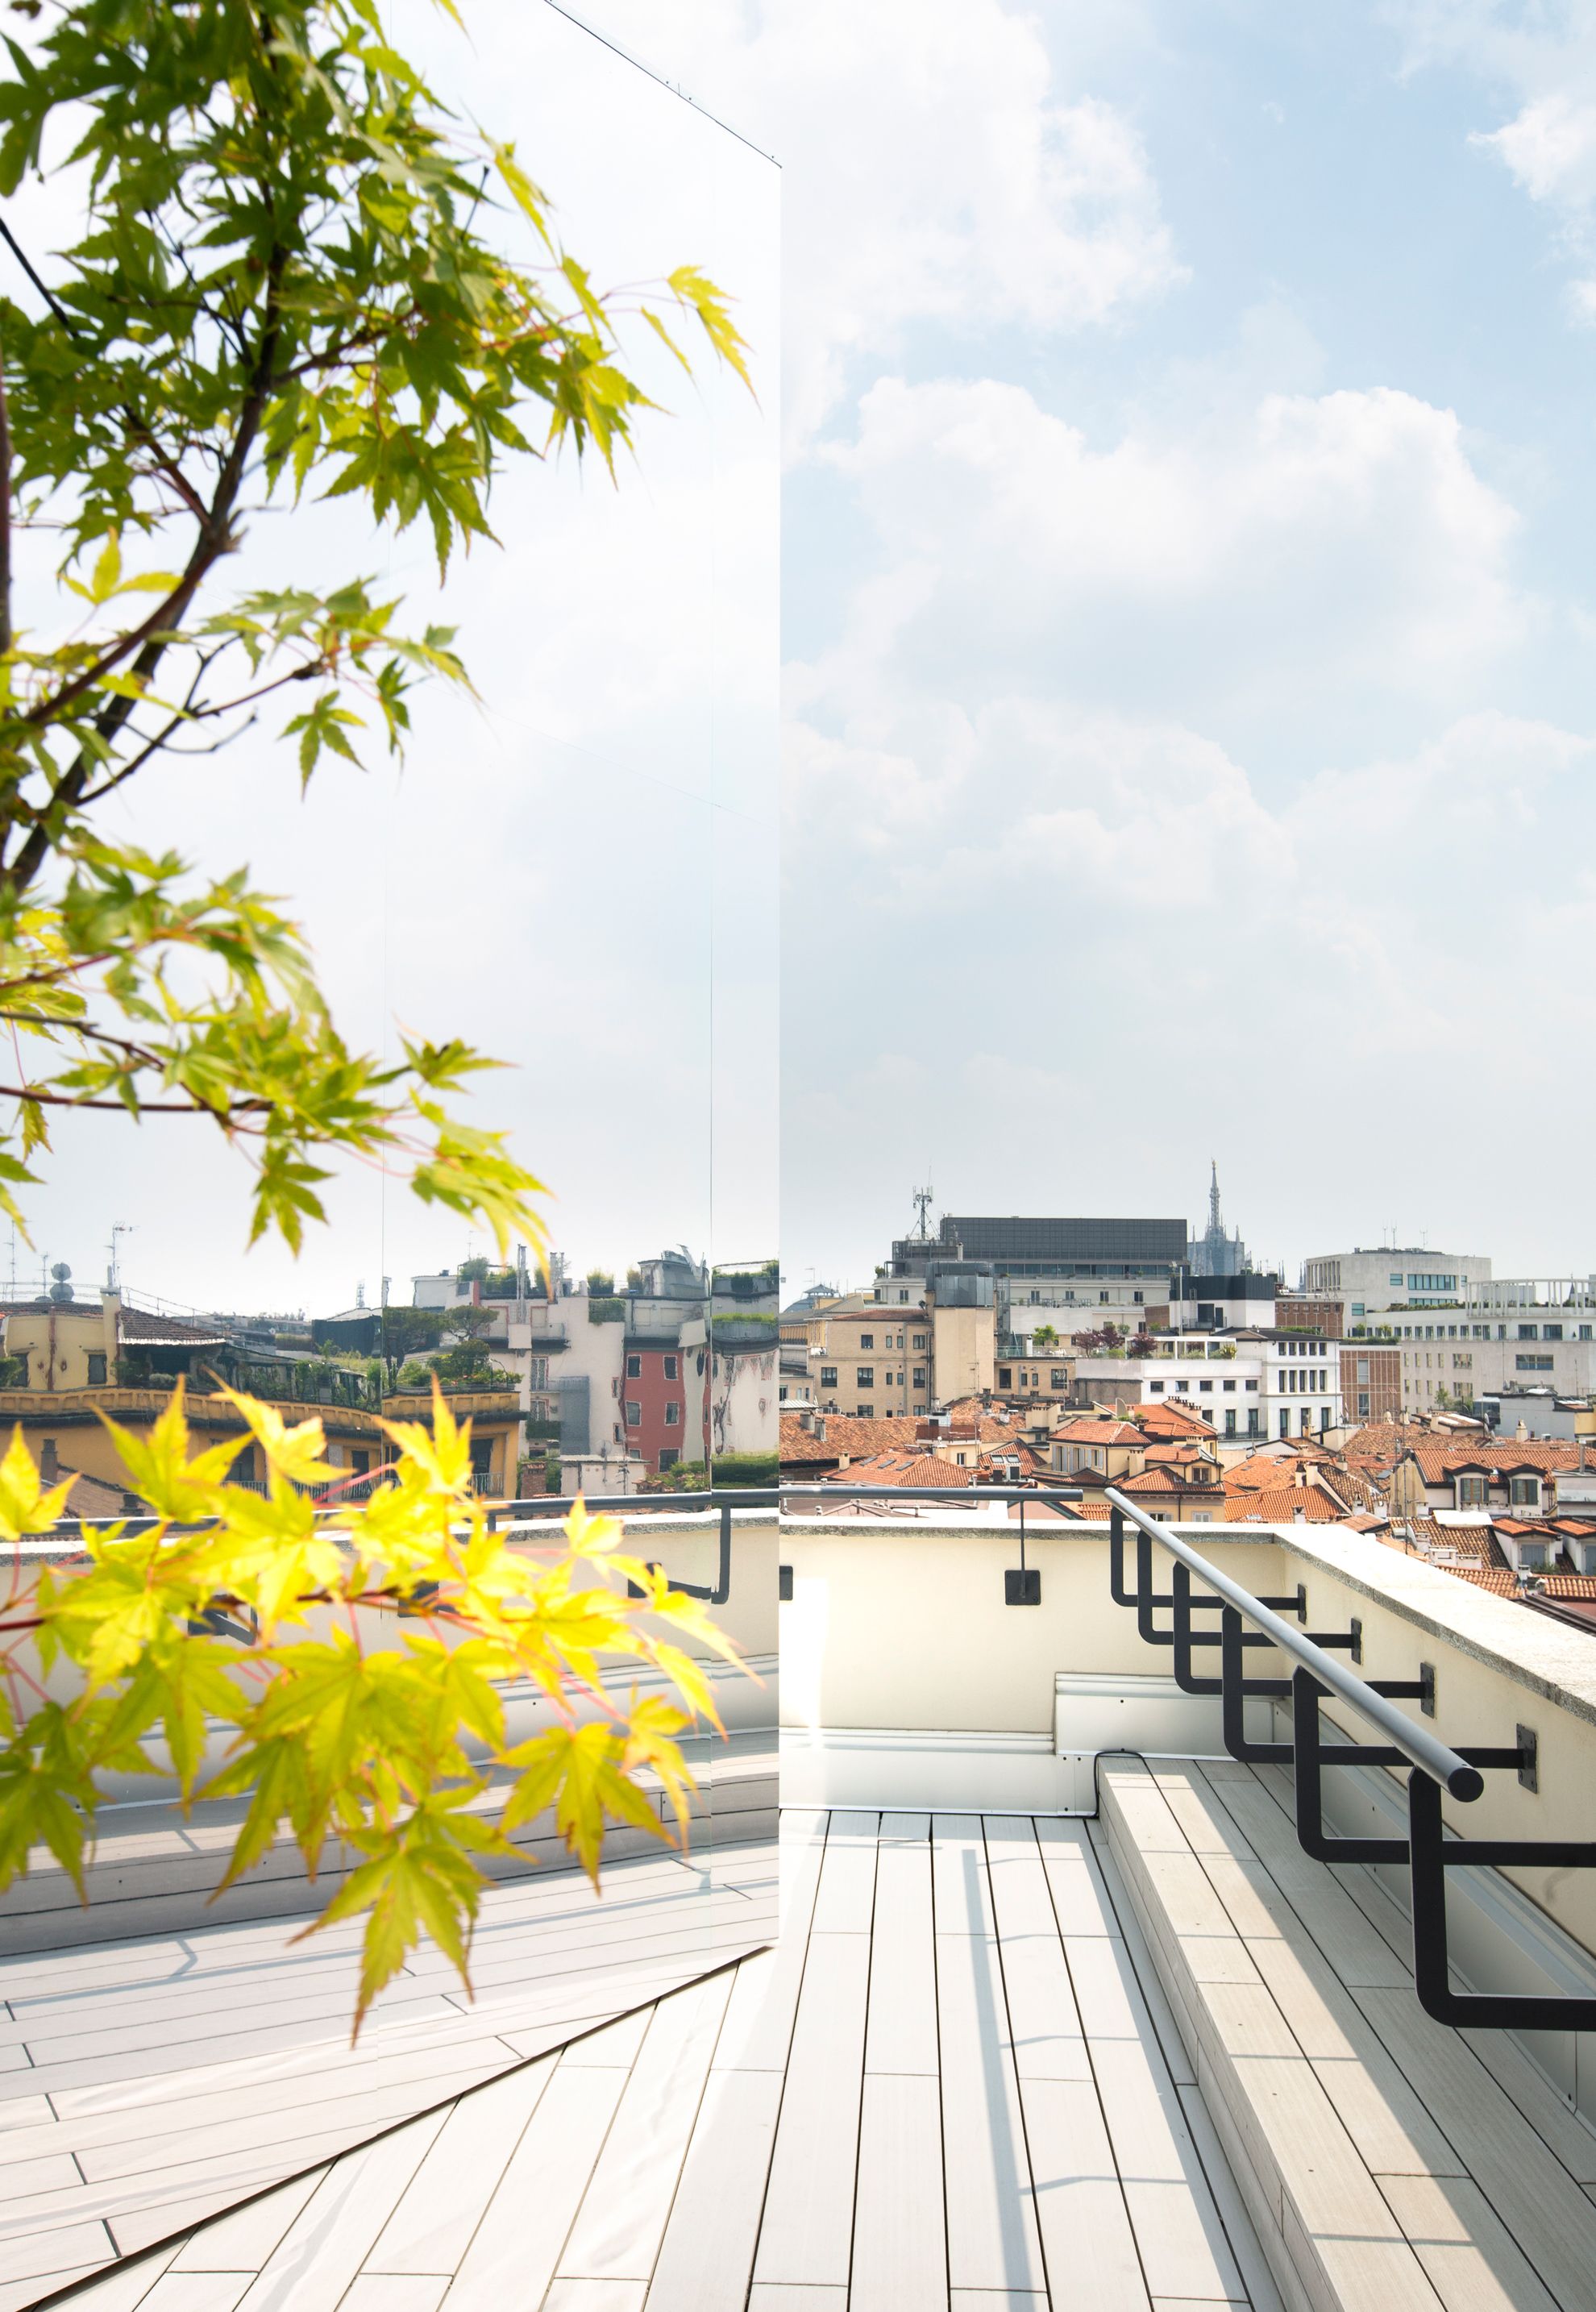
1388 2162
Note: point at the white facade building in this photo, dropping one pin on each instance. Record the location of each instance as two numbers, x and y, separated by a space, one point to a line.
1392 1277
1261 1388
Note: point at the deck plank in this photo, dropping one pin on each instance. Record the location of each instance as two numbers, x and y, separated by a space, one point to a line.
809 2207
901 2030
899 2256
517 2246
993 2238
624 2211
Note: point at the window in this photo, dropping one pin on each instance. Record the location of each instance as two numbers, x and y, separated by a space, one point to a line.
1462 1360
669 1368
669 1457
537 1371
1532 1365
1207 1387
1230 1420
903 1293
828 1375
1006 1376
1155 1388
919 1376
1395 1276
1230 1385
1532 1556
1524 1491
673 1415
1250 1384
96 1369
1059 1379
1528 1331
1254 1423
867 1340
1363 1405
1357 1308
919 1341
866 1412
864 1377
634 1414
1285 1421
1552 1332
1472 1492
1363 1369
634 1368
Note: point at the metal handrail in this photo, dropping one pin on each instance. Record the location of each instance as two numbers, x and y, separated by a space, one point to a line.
1417 1746
1427 1851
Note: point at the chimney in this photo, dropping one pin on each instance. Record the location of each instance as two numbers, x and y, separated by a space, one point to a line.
1298 1516
48 1467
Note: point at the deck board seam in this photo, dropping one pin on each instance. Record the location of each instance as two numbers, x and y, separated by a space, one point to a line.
753 2265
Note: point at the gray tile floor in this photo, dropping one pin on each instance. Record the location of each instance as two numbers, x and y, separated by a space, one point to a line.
946 2085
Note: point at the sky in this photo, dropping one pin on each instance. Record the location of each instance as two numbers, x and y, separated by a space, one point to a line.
1189 619
1186 424
579 873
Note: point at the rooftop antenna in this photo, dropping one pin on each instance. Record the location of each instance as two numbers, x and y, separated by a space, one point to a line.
923 1198
113 1274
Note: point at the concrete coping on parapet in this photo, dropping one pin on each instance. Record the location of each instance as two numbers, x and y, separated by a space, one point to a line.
1543 1656
42 1549
1535 1651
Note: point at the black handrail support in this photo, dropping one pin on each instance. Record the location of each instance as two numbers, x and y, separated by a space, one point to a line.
1318 1675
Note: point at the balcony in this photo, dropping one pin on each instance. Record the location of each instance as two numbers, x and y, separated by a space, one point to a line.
1063 2009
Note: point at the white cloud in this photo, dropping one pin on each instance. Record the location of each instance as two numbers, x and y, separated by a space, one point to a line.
1298 554
936 172
1540 66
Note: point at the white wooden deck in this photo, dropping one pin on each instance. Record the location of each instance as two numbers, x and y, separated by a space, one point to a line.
950 2084
146 2084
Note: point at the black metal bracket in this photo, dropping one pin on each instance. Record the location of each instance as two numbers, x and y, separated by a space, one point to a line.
1432 1854
1427 1851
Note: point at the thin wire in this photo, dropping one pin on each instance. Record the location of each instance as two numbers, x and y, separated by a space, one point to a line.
647 70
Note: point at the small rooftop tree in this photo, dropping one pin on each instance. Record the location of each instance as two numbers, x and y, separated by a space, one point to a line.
292 279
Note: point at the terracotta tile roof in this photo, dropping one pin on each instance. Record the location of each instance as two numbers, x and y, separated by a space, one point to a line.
1088 1432
1280 1504
1256 1474
1438 1464
905 1468
142 1328
1171 1420
1170 1483
845 1433
1386 1439
1178 1450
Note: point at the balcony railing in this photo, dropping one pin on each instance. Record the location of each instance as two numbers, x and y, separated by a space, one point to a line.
1214 1662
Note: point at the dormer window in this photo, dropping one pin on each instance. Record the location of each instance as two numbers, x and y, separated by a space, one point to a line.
1524 1492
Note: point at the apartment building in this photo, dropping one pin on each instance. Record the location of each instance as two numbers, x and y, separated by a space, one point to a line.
1391 1276
1258 1386
1371 1382
870 1359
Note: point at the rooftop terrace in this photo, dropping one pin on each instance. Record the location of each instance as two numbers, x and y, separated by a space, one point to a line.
1061 2011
